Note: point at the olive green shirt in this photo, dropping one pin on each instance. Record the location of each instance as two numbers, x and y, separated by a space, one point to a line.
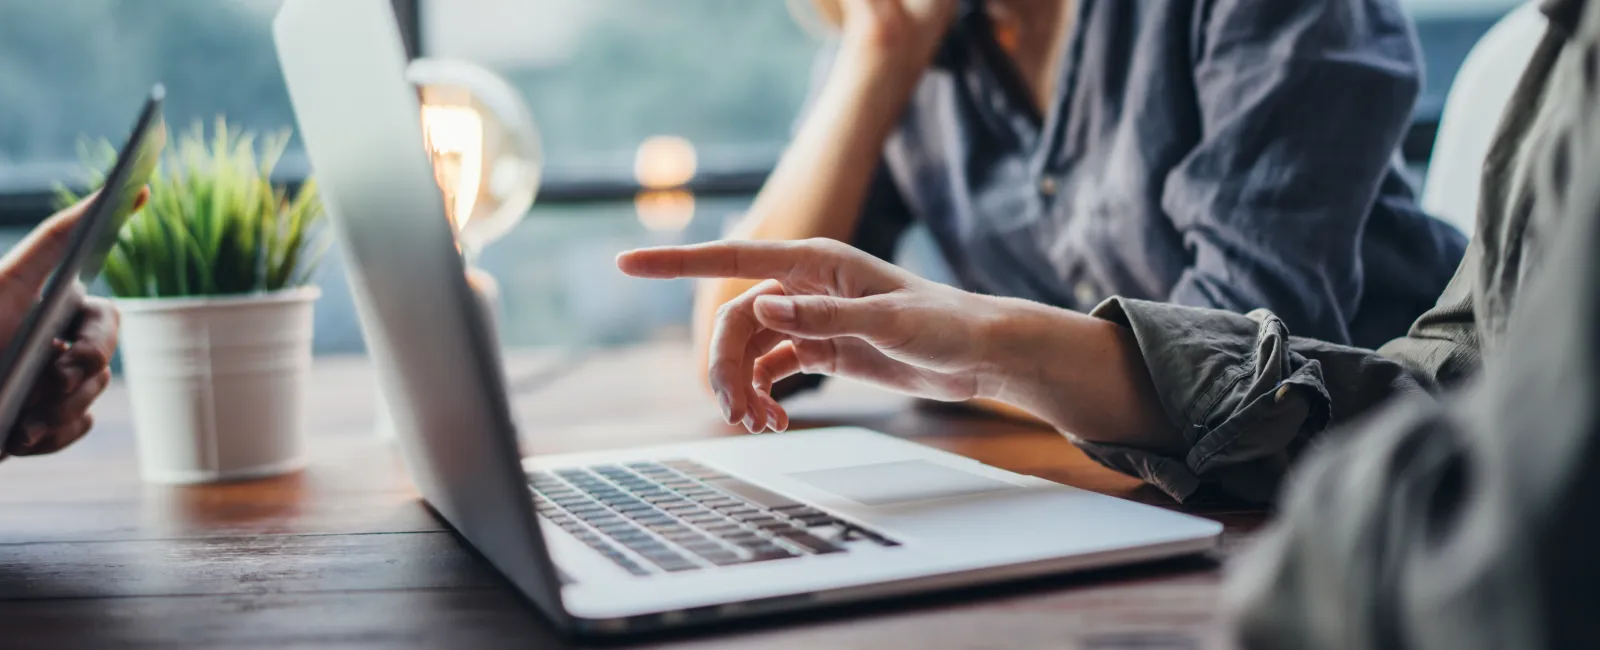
1465 512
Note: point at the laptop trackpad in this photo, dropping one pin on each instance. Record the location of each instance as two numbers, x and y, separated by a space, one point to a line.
882 484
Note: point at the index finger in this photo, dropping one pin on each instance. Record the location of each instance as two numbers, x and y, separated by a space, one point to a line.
813 261
749 260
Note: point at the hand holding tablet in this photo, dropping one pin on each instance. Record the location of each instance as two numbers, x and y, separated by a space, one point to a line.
59 342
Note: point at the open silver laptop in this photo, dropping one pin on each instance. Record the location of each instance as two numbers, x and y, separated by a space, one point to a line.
644 538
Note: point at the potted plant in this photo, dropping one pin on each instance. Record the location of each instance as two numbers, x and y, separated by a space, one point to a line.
213 280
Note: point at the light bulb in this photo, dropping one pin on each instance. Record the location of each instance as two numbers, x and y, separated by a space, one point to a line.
454 135
484 146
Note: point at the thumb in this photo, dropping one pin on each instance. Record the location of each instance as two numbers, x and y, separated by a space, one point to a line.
825 317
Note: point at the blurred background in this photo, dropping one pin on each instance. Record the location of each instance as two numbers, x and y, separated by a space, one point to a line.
618 87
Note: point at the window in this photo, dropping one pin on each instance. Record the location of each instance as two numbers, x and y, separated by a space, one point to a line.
601 76
81 68
1447 30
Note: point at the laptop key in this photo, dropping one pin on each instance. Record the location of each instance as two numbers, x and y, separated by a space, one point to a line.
701 544
722 530
817 521
677 565
811 542
772 553
780 528
724 558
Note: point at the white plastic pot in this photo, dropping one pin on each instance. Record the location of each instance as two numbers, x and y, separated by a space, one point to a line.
218 384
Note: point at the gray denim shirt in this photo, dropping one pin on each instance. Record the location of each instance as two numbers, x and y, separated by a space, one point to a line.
1249 394
1232 154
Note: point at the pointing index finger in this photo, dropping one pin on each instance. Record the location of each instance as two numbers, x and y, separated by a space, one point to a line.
749 260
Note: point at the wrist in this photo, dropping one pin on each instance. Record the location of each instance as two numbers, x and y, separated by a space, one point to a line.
1034 353
875 64
1016 335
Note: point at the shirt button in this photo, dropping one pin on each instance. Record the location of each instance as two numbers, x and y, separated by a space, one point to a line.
997 102
1047 186
1086 295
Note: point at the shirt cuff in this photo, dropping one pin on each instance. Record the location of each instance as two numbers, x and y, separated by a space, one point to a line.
1244 400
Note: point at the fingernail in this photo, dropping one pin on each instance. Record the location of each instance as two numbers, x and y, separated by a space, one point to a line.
727 407
750 423
772 419
776 309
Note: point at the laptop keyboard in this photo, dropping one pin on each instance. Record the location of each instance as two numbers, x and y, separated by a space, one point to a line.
679 515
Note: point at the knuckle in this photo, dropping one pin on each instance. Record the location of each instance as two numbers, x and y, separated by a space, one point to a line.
888 321
720 378
823 312
726 310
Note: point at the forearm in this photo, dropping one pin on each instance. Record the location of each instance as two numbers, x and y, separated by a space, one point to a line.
818 186
1083 375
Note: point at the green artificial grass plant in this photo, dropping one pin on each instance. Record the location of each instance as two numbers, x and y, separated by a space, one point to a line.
215 224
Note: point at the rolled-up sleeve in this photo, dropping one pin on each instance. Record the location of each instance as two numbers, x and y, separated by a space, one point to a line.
1247 396
1303 105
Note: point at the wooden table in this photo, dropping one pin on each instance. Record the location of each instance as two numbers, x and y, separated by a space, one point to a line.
342 554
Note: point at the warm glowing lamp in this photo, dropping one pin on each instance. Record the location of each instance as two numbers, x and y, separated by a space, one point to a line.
486 152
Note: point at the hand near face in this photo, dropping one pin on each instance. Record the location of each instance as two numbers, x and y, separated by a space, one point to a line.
57 410
898 28
827 308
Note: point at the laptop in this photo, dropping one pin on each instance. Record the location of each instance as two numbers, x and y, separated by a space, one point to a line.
648 538
88 245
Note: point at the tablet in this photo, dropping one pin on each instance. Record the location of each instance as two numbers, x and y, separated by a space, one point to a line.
91 240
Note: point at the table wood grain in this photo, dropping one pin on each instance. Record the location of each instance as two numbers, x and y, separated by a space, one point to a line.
342 555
